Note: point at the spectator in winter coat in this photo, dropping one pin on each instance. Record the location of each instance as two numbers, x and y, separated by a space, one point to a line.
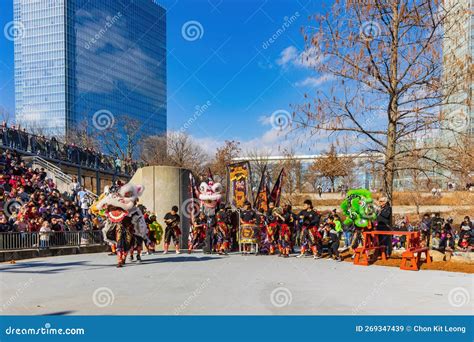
436 242
384 223
447 245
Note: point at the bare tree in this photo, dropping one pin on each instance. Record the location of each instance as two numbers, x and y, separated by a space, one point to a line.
224 156
83 135
176 149
122 137
153 151
461 159
332 166
294 176
184 152
385 64
260 160
259 163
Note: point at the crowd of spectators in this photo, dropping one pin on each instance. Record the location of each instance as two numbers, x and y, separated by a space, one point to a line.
439 234
30 201
17 138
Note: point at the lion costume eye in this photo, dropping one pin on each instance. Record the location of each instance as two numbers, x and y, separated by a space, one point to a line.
217 188
204 187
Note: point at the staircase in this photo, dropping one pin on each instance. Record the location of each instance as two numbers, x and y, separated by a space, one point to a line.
61 179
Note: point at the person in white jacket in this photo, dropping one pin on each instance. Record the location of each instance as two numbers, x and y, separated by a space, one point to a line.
45 233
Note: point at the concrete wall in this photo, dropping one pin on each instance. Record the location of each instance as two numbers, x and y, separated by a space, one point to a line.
165 186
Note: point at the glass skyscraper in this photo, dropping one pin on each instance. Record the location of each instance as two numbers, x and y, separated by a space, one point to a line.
78 60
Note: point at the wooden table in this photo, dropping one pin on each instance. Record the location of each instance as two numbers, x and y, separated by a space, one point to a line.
410 258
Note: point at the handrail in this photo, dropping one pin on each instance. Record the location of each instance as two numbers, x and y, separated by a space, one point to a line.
39 240
22 141
58 173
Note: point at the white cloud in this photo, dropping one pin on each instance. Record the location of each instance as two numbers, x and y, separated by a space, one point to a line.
287 55
271 142
265 120
308 58
208 144
314 81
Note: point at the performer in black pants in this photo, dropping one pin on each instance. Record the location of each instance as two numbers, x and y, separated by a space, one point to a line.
384 222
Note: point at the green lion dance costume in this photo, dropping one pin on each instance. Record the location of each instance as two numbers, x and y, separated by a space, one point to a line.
358 207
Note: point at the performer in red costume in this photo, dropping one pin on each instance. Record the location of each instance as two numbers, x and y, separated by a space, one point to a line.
223 234
198 232
312 238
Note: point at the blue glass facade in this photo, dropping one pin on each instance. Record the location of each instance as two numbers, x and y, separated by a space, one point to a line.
75 58
40 91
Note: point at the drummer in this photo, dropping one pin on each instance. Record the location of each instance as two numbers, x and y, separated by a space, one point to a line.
248 216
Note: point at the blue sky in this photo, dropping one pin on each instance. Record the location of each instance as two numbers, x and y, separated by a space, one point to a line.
232 67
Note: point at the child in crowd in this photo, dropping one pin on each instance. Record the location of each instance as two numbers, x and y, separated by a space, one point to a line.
45 233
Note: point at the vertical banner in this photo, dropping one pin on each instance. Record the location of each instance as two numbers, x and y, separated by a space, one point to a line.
275 195
263 193
239 184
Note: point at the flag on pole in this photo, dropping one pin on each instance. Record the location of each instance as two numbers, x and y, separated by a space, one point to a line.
263 193
275 195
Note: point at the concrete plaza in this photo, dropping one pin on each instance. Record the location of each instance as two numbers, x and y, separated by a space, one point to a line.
90 284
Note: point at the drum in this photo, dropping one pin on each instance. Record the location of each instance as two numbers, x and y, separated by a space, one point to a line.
249 233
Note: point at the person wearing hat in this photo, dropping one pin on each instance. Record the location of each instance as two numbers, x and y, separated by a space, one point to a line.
172 231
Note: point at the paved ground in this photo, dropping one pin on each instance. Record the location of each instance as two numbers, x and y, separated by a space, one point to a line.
199 284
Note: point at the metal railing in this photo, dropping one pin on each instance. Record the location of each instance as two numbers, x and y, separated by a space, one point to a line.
23 240
31 144
58 173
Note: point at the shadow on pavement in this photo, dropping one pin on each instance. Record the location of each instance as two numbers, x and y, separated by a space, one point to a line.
177 259
41 267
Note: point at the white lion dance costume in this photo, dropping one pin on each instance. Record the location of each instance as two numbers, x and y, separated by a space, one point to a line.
124 220
210 198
